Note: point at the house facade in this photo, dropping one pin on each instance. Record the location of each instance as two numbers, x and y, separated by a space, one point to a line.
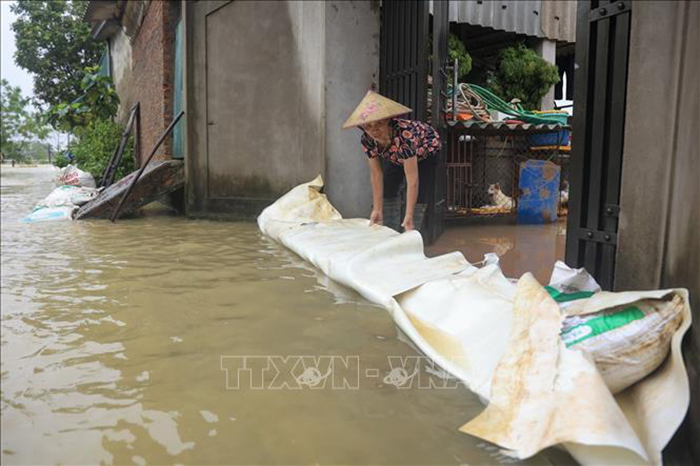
267 85
141 39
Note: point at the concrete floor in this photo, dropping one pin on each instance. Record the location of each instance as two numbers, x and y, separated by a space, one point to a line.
521 248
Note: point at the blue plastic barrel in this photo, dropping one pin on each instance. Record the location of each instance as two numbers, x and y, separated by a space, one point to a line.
539 192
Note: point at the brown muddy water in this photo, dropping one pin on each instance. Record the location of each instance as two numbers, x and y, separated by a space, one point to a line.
113 338
521 248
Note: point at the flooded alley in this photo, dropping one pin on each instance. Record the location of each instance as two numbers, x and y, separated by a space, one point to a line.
113 337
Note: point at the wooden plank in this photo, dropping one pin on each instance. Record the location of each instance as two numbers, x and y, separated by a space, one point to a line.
158 179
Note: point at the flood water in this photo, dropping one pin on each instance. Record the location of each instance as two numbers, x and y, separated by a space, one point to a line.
520 248
119 342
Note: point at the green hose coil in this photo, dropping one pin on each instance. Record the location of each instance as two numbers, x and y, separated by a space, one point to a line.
496 103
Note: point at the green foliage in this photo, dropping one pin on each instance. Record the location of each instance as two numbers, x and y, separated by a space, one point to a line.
99 101
457 50
92 151
523 75
61 160
18 126
54 44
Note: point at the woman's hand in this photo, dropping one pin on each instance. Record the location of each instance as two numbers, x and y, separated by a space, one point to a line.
376 217
408 223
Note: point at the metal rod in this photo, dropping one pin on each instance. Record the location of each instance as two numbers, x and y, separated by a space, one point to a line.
143 167
113 165
137 135
455 85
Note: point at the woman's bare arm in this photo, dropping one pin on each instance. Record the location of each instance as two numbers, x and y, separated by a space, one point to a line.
377 179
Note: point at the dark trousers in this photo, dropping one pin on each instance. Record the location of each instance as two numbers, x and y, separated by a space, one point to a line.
394 178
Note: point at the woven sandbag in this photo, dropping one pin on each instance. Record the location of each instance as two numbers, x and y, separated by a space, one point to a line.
626 342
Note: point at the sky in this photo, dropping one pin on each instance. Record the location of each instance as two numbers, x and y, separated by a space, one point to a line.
8 70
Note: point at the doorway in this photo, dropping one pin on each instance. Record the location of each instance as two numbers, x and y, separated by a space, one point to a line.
250 137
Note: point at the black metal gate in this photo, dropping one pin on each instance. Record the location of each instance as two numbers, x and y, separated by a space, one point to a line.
438 205
403 69
602 45
403 61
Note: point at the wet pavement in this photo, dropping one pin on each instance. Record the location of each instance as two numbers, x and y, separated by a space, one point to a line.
121 344
521 248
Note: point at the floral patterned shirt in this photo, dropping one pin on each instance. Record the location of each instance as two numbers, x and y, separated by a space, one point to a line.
409 139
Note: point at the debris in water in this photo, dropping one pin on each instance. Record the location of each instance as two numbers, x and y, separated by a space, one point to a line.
209 416
158 179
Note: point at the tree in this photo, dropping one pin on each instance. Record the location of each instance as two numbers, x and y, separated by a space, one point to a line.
93 149
54 44
457 50
18 127
99 101
524 75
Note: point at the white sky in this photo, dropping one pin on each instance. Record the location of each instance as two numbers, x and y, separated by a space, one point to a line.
8 70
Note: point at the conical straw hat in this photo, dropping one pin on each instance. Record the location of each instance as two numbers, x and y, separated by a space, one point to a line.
374 107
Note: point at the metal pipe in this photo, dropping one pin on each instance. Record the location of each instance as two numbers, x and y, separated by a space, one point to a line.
137 135
143 167
115 160
455 76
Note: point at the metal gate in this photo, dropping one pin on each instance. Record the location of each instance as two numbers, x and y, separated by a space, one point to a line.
403 61
404 68
602 45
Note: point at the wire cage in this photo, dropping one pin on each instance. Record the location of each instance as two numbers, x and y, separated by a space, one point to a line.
483 166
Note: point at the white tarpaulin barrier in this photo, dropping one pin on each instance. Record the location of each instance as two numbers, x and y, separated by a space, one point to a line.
502 339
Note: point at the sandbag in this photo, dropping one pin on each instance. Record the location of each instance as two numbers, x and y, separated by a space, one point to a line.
568 284
61 203
627 342
83 196
67 195
73 176
47 214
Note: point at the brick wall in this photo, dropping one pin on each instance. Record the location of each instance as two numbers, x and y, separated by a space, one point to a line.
152 61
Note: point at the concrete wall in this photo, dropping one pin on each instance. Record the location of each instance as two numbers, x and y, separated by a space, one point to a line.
352 67
120 51
269 85
659 238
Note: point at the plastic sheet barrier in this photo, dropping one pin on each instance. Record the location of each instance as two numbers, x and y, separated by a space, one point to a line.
504 340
